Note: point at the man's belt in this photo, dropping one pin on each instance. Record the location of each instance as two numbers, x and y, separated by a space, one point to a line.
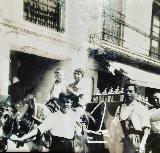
61 139
133 131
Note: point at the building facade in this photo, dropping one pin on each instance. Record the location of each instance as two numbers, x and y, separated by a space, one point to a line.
129 36
48 34
124 43
112 40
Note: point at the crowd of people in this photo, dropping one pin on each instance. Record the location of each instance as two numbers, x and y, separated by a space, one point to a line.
65 106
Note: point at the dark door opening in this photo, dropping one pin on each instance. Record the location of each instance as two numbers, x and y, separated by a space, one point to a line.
26 73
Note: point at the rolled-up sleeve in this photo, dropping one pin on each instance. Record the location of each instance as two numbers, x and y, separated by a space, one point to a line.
46 125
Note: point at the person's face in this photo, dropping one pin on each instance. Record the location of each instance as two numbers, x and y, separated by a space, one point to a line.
59 76
157 100
129 94
77 76
66 106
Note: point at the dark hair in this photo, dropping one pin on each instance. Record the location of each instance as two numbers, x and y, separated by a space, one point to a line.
31 91
130 84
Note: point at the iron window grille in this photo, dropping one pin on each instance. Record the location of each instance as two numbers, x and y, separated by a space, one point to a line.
49 13
113 22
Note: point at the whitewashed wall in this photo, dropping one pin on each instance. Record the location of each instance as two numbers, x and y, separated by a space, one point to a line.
138 14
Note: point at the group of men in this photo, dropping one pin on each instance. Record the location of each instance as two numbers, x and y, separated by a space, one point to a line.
140 124
61 122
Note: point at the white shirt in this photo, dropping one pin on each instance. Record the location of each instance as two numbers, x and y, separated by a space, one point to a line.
57 89
137 113
59 124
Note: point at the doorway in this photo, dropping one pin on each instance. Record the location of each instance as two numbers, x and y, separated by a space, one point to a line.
27 71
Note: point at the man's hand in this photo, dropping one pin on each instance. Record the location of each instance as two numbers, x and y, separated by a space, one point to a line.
142 148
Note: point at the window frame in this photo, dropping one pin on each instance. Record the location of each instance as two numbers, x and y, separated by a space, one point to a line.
152 54
48 13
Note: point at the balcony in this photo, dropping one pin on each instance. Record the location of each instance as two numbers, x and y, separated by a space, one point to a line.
45 13
112 29
113 26
124 40
119 35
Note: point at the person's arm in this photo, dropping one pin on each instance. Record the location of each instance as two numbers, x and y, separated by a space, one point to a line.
146 126
45 126
26 136
70 90
76 93
144 139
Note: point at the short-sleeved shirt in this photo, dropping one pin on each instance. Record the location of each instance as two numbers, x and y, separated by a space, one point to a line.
78 88
57 89
137 113
59 124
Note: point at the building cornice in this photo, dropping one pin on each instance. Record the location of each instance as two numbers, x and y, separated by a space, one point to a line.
44 33
113 52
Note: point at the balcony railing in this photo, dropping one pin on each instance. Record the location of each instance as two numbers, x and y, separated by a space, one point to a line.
43 15
154 53
116 97
112 29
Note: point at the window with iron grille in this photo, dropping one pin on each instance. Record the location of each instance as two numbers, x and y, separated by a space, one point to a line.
155 31
49 13
112 21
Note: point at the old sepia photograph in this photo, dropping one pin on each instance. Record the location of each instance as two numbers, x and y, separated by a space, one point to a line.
80 76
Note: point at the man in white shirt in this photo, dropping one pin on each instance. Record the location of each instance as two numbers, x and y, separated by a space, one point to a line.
62 126
135 121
